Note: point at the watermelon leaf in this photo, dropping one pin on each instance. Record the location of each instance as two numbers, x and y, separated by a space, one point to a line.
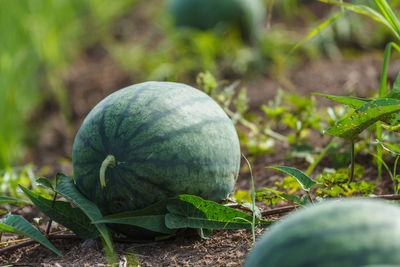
18 225
11 200
45 183
353 102
151 218
377 110
66 187
62 212
304 180
188 211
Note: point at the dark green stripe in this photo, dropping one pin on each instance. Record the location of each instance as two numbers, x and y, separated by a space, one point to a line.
158 115
87 163
102 131
192 128
175 160
163 187
119 181
87 142
315 241
125 113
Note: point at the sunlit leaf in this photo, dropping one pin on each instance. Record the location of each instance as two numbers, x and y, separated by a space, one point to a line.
304 180
287 197
377 110
188 211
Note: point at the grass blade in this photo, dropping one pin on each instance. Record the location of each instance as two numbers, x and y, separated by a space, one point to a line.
385 65
364 10
18 225
304 180
11 200
382 92
317 30
387 12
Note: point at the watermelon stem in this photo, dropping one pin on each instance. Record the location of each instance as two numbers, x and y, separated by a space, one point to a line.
109 161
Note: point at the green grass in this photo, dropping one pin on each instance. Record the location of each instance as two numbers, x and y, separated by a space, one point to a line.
39 40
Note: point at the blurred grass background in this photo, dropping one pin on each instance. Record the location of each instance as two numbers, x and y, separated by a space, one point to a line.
41 40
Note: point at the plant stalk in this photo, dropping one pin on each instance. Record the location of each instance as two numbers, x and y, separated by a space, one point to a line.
253 198
352 162
51 221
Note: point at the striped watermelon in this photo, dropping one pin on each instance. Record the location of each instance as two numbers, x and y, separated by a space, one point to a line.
155 140
245 15
350 232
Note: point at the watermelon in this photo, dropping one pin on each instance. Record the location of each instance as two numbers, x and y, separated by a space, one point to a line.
151 141
352 232
245 15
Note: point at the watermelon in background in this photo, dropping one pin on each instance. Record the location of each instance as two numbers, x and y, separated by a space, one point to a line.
351 232
155 140
246 16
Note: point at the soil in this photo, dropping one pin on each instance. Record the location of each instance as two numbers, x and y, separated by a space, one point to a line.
96 75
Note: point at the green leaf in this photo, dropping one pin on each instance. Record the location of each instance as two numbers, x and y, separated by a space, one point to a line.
18 225
62 212
287 197
187 211
66 187
11 200
151 218
353 102
377 110
242 196
45 183
304 180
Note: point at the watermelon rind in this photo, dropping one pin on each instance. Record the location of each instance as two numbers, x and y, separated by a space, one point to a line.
165 139
351 232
